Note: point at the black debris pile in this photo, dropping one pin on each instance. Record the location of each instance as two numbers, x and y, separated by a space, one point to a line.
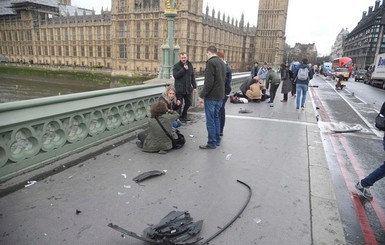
177 228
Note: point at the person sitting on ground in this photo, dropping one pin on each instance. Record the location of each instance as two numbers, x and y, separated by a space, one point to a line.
155 139
172 103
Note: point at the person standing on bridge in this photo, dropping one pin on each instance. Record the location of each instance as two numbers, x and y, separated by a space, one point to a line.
363 185
302 77
254 70
184 84
286 82
221 55
261 76
211 96
274 80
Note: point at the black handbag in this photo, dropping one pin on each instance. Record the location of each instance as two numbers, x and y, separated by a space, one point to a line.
176 143
380 122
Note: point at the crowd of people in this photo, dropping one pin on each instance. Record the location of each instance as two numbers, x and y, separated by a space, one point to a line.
263 78
170 111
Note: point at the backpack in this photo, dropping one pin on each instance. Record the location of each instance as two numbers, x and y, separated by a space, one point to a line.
303 73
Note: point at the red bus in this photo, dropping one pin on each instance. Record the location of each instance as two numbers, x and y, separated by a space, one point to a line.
343 62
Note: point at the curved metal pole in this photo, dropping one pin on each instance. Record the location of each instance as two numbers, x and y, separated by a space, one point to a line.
235 217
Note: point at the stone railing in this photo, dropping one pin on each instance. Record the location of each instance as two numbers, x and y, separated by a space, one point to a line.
39 131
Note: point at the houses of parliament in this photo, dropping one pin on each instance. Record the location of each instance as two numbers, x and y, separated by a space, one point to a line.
128 39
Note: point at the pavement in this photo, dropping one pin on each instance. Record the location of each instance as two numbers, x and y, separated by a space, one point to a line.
277 151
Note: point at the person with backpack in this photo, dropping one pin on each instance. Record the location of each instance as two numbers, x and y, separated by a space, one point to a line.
302 77
363 185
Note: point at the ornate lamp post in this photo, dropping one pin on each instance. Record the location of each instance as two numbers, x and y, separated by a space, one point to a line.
170 51
276 65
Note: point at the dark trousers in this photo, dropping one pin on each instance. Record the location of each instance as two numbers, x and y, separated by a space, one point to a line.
222 117
185 100
376 175
273 91
293 89
285 96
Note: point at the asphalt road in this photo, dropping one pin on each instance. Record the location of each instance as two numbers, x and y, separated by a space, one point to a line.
353 154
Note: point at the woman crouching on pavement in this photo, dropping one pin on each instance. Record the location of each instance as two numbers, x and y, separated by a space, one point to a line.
156 139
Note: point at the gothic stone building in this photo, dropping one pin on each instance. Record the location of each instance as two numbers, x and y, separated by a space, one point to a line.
128 38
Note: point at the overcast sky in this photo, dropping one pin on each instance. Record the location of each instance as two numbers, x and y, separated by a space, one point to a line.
316 22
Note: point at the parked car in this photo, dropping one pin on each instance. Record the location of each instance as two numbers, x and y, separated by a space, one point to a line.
3 59
342 73
361 75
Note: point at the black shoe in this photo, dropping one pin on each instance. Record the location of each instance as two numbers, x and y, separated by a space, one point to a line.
139 144
182 119
207 147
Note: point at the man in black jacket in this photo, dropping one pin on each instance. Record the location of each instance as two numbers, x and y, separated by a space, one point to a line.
184 83
211 96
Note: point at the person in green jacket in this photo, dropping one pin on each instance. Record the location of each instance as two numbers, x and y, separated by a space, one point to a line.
155 139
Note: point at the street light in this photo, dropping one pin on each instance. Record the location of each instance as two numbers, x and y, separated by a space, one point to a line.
276 55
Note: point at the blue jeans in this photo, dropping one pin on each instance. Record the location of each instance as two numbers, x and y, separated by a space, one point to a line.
213 124
301 94
176 124
377 174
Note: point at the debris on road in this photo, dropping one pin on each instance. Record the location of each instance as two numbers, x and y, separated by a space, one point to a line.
177 227
147 175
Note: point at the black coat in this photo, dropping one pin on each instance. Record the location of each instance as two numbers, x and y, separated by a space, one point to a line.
184 79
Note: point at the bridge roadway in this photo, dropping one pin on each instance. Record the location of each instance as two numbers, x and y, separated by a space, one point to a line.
276 150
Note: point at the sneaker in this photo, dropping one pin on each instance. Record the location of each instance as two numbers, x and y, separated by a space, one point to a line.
364 191
204 147
271 105
297 108
303 108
